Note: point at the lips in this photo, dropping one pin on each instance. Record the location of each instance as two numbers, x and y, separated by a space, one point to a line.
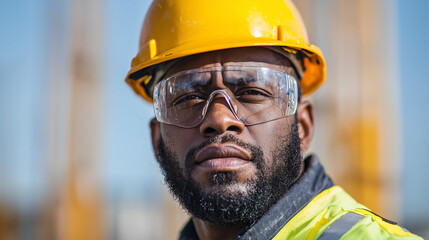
222 157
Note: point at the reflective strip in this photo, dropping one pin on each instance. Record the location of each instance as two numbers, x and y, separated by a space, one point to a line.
341 226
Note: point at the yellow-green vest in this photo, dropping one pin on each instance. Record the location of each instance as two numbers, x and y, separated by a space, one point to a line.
331 206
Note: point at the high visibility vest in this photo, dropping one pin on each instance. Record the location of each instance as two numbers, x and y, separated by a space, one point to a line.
333 214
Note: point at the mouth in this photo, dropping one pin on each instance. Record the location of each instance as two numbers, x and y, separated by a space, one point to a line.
222 157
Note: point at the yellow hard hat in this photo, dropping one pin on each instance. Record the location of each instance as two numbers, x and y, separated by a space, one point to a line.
177 28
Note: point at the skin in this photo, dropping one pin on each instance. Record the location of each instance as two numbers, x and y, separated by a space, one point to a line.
221 121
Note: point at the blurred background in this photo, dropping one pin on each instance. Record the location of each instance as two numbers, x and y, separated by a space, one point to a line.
76 160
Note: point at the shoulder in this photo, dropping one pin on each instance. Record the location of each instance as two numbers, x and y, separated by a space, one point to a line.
361 223
333 214
373 226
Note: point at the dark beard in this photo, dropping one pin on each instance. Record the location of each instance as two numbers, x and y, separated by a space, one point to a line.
221 206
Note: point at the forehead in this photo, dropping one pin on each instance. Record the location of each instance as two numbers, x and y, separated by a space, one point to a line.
249 56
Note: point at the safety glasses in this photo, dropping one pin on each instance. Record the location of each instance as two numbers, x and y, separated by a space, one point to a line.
254 94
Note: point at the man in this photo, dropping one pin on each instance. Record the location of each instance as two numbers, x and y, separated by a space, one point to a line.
226 79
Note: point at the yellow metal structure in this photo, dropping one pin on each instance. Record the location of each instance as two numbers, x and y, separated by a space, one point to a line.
174 29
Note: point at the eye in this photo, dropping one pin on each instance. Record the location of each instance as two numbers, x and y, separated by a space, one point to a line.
189 99
253 92
252 95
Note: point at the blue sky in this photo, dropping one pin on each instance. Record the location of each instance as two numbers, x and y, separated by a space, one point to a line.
414 66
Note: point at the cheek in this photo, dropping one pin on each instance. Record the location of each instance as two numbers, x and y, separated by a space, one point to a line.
269 136
177 139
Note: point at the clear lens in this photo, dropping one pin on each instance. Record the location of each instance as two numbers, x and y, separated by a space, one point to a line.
254 94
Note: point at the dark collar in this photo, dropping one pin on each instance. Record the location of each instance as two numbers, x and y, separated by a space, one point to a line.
313 181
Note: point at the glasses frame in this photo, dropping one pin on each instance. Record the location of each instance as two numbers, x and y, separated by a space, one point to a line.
292 95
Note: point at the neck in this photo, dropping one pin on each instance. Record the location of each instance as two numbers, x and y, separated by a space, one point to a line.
210 231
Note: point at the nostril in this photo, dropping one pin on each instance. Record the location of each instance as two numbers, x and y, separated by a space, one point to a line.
209 130
233 128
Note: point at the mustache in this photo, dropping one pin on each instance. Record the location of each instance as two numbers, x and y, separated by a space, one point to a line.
229 138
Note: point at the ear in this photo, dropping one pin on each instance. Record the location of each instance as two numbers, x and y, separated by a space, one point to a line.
305 124
156 136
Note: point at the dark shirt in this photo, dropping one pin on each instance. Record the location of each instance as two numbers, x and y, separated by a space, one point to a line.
313 181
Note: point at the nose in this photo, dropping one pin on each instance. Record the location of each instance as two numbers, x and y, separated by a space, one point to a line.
220 119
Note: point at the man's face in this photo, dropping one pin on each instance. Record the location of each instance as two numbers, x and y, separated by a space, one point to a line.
223 171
